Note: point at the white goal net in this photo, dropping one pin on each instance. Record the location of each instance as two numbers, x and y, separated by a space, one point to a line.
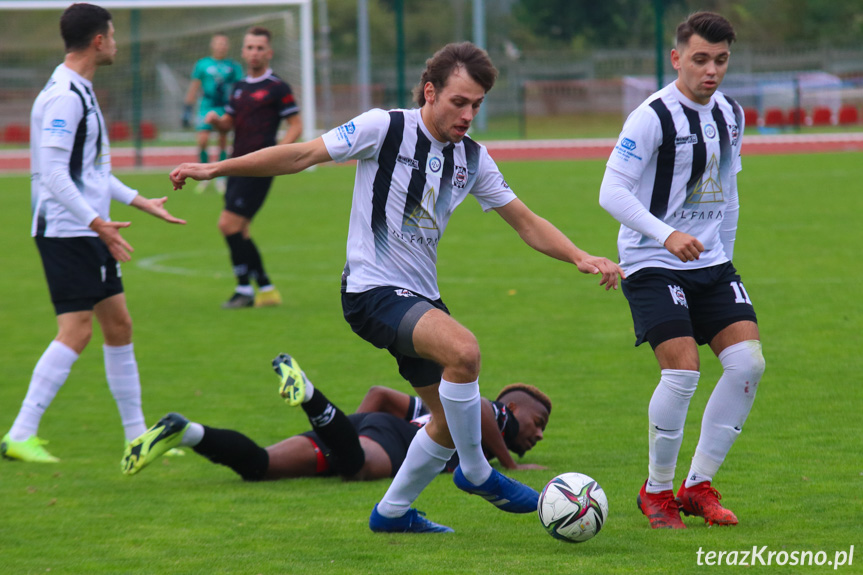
158 45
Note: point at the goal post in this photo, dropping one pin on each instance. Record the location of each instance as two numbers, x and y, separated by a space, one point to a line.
159 41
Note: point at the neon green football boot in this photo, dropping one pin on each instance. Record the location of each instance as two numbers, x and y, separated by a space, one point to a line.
292 379
29 450
144 450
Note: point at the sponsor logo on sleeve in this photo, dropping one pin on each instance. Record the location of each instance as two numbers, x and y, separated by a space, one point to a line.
625 150
58 127
345 131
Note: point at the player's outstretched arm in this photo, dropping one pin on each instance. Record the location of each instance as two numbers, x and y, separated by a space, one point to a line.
385 400
156 207
273 161
541 235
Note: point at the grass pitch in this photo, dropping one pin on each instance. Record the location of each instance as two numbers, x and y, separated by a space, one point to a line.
794 477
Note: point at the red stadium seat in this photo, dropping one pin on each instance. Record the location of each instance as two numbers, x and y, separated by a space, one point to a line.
16 134
774 117
148 131
796 117
821 116
848 115
750 116
119 131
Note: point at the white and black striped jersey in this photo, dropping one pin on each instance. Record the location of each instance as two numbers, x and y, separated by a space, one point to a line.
407 186
685 157
70 159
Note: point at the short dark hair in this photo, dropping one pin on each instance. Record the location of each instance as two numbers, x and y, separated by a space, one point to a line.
80 23
448 59
709 25
531 390
260 31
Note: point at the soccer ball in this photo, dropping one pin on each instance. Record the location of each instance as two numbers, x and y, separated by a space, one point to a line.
572 507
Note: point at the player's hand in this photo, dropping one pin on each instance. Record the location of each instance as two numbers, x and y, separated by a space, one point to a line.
109 232
611 272
687 248
155 207
190 170
187 116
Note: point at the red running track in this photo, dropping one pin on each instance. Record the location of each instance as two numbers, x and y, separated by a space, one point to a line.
586 149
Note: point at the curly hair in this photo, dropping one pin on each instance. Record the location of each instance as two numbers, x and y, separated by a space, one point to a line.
531 390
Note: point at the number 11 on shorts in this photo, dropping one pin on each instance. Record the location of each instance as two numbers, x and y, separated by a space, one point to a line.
740 295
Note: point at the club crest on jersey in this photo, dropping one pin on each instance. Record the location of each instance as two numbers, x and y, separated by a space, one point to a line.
434 164
678 296
459 177
404 293
709 131
735 133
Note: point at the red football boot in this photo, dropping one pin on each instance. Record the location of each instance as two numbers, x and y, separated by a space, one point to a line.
703 500
662 509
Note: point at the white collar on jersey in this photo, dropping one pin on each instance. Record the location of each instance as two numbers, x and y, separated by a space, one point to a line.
267 73
78 77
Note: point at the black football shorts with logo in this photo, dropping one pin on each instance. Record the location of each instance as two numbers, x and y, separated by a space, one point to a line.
698 303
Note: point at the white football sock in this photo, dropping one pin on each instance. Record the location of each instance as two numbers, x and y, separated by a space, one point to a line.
728 407
309 390
425 459
121 370
49 375
667 414
193 435
463 408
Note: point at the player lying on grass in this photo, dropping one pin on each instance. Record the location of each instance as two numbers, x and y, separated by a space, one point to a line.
366 445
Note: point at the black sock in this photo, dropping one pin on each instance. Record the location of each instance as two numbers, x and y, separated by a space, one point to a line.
256 264
235 450
337 431
239 257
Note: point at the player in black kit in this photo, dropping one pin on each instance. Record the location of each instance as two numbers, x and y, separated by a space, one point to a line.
368 444
257 107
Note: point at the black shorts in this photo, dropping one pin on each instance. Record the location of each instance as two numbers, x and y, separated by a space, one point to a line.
80 271
245 196
386 318
393 434
697 303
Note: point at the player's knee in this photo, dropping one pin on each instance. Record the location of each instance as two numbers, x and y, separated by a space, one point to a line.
466 358
118 331
745 358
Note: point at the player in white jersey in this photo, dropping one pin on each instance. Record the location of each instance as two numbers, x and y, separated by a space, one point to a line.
79 245
671 182
414 168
